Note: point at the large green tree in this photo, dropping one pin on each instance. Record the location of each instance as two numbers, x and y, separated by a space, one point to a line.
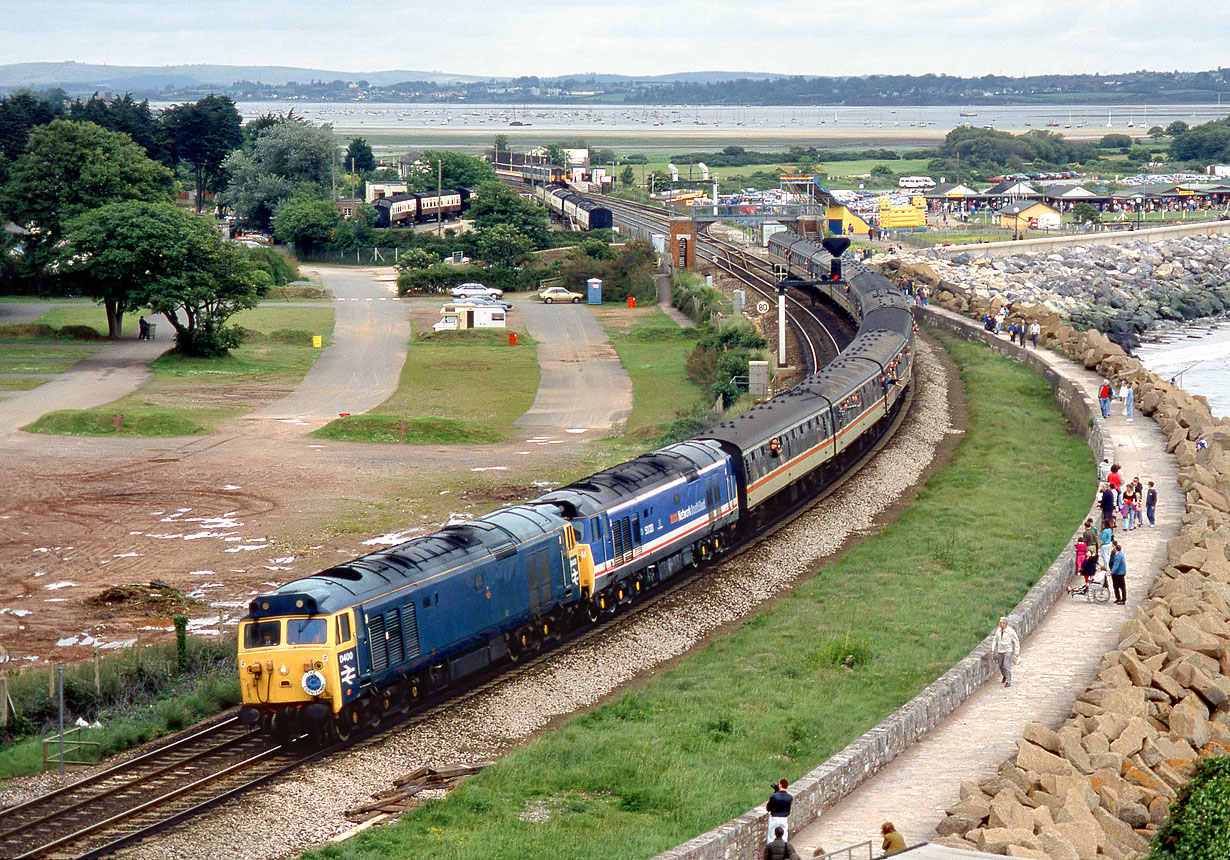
19 113
495 203
133 118
504 245
359 156
202 135
458 171
136 254
306 223
69 168
288 156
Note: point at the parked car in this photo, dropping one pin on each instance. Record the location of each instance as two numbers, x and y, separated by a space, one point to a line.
484 301
476 291
558 294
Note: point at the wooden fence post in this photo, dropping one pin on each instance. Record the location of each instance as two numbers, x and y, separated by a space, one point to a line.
97 673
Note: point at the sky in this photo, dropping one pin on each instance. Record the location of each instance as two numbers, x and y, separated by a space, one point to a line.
633 37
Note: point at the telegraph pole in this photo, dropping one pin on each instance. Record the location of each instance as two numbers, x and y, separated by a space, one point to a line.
439 197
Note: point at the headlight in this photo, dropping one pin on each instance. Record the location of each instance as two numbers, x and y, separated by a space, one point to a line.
313 683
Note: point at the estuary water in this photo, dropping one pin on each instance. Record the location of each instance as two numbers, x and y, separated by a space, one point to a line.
1197 354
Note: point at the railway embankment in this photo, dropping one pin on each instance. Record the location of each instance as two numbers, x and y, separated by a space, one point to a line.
1100 783
1122 289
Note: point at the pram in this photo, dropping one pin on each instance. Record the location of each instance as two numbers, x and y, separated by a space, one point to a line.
1094 588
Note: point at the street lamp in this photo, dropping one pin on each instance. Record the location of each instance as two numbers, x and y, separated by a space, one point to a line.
1139 205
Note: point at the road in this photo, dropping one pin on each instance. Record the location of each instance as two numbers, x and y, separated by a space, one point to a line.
582 384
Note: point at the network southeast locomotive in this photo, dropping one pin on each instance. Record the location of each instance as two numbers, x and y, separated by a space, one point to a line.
347 645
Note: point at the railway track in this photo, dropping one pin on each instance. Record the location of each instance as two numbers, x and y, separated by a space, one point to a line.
141 796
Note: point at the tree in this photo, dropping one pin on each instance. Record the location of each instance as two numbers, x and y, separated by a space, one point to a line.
359 156
556 155
495 203
69 168
1085 213
458 171
504 245
500 145
203 135
658 181
1115 141
136 254
306 222
1157 133
1199 824
1176 128
19 113
288 156
133 118
627 178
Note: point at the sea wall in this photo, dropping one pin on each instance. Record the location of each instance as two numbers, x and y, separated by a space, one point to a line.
1047 244
1100 784
743 837
1122 289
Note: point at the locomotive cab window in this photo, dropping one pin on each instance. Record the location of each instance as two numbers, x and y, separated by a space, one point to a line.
262 634
343 629
306 631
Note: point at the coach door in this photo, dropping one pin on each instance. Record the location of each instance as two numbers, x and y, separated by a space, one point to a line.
713 499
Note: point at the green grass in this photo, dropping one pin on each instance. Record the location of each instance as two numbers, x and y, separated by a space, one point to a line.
700 743
34 365
654 350
20 383
458 387
190 396
265 319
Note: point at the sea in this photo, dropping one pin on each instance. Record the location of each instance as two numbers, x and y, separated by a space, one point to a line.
463 116
1196 354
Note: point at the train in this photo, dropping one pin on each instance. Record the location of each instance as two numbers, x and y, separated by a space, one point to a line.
543 174
353 644
407 208
582 212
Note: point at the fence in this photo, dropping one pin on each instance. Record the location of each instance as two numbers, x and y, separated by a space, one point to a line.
354 257
67 750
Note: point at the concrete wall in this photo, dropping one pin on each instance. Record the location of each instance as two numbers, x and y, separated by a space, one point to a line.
744 837
1110 237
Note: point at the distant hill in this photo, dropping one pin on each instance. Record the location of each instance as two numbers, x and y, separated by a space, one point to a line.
87 77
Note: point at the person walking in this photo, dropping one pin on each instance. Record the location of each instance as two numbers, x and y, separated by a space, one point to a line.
143 329
1118 573
779 811
1090 537
1104 398
1151 505
1082 549
1129 509
1035 329
1006 646
1107 502
1115 479
1104 469
779 848
893 841
1129 400
1104 543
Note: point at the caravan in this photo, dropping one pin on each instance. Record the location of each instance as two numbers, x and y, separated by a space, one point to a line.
462 315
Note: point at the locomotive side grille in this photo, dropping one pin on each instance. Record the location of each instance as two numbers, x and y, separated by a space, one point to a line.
392 624
410 631
379 645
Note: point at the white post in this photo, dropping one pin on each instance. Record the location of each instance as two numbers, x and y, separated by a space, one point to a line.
781 326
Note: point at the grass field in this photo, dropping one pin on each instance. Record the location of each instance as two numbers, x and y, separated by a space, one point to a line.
456 387
265 318
654 350
195 395
699 743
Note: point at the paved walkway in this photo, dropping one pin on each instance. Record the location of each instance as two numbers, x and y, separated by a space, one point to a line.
582 385
1058 661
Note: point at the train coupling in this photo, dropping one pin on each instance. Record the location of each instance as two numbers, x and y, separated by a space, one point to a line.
248 716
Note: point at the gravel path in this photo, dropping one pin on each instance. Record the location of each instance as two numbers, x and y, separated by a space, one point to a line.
308 807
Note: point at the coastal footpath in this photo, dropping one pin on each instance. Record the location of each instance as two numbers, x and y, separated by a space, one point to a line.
1122 289
1100 784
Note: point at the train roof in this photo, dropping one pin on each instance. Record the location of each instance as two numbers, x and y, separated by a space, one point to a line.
628 480
414 562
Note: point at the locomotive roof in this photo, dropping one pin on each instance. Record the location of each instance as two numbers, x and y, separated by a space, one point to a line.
627 480
410 563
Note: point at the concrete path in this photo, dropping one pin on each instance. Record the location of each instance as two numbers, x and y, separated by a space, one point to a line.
360 368
115 371
1058 661
582 385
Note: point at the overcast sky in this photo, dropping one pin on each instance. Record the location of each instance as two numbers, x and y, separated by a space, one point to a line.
636 37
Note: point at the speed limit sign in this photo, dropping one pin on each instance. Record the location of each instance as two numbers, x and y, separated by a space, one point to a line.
762 307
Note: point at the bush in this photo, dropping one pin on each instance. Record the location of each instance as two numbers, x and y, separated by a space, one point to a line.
79 332
275 264
625 272
1199 823
692 296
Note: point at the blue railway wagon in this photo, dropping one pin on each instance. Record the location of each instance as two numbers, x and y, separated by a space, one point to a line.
652 515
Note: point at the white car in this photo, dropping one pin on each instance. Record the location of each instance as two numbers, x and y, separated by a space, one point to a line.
467 291
558 294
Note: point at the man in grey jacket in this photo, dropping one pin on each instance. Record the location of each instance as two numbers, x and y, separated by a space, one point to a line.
1006 646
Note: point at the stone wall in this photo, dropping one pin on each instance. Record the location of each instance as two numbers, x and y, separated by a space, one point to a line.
1100 784
744 836
1110 237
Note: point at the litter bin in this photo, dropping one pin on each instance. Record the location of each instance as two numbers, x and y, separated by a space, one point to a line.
153 331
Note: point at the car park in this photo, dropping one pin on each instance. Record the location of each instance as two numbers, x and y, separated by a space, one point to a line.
558 294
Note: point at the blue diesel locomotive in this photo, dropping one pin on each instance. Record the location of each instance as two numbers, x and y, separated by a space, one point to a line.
345 646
